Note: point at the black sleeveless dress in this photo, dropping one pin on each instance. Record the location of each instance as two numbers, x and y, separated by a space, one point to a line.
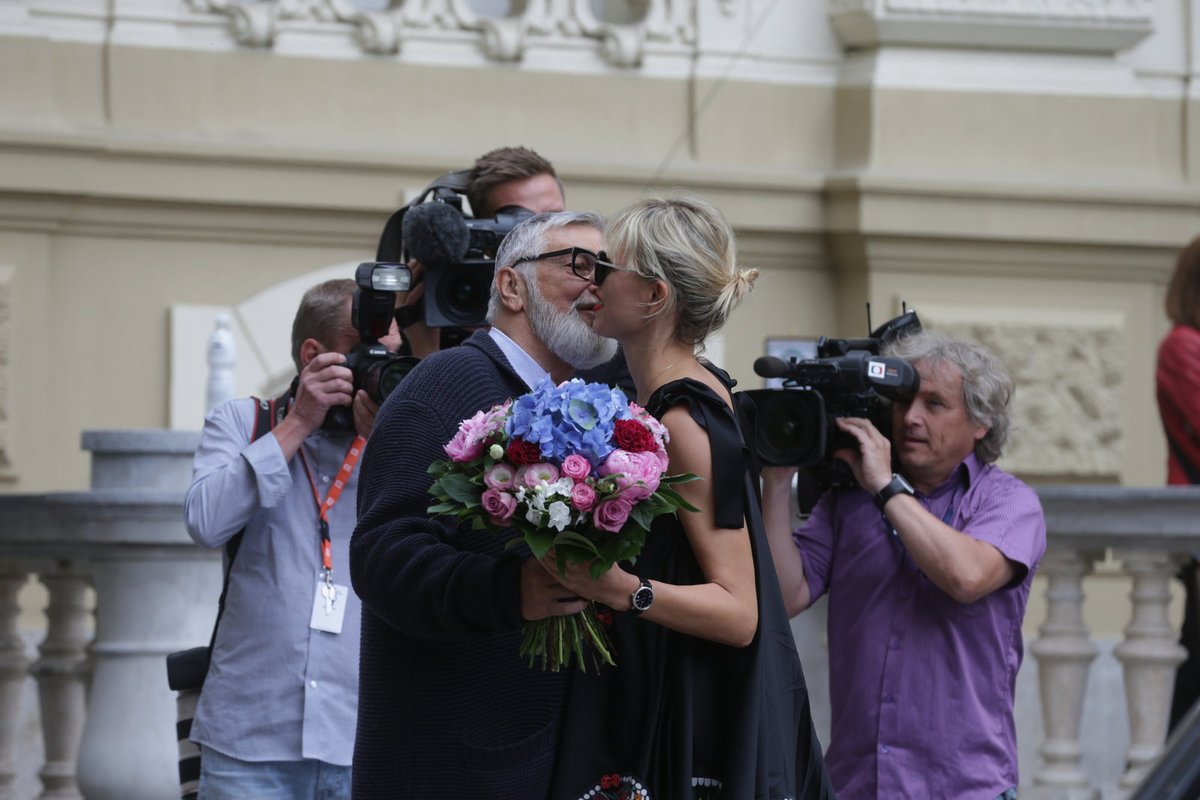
682 718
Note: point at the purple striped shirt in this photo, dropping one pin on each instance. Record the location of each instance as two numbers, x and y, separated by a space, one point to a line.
921 685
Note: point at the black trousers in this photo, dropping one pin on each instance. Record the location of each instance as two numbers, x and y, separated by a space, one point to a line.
1187 677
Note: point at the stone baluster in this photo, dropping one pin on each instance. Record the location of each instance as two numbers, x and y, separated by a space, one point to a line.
1149 654
62 672
13 666
1064 651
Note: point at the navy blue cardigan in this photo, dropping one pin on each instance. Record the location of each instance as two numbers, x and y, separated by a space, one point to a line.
447 709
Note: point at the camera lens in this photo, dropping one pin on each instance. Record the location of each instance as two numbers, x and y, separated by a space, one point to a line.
381 376
790 427
463 293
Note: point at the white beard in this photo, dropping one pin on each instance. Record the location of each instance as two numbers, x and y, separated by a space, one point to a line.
567 335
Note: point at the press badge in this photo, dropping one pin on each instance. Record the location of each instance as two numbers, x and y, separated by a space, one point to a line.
329 607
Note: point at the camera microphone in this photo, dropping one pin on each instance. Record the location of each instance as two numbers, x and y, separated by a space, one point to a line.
770 367
435 233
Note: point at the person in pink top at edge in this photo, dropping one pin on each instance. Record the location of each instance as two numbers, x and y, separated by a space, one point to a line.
928 562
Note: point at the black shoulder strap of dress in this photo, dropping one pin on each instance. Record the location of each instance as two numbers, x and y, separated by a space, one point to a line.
725 438
1189 468
268 414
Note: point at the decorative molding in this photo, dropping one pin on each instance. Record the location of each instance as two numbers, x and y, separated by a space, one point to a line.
1054 25
1066 414
506 38
6 372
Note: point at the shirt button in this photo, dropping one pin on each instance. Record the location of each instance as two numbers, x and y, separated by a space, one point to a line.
884 749
312 684
889 697
905 594
324 479
894 644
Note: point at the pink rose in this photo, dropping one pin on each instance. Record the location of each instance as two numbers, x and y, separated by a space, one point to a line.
498 505
576 467
500 476
611 515
636 472
583 496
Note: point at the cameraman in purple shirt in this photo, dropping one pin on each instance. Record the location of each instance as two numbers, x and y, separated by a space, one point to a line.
928 571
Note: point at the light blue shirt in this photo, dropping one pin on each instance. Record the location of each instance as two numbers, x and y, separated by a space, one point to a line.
276 690
522 363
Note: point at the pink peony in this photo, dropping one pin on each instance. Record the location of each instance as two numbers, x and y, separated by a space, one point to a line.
637 471
611 514
576 467
583 496
498 505
468 442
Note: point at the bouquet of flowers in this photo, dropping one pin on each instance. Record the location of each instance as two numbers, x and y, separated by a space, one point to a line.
575 467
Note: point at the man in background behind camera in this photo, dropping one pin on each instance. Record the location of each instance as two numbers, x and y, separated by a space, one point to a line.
277 714
928 570
504 178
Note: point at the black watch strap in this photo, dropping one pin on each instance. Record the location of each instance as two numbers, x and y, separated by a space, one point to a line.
897 486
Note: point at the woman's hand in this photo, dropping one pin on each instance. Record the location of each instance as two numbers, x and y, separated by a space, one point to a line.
614 588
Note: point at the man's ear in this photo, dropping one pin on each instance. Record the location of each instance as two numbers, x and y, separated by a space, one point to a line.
309 349
511 287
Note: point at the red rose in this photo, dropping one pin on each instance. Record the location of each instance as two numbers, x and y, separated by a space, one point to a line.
634 437
605 617
610 781
522 452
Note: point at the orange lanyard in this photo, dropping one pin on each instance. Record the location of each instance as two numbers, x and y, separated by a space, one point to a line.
335 493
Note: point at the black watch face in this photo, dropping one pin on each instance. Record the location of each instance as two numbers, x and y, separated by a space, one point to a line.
643 598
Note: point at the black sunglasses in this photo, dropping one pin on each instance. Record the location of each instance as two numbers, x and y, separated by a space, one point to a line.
592 267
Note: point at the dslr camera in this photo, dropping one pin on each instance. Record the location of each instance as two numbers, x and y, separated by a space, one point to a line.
377 370
457 252
796 425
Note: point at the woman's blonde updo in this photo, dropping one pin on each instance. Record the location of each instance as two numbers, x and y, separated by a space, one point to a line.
685 241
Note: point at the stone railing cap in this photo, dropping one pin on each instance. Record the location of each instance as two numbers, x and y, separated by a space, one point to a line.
146 440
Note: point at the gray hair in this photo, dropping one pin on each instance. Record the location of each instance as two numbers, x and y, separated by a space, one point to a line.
322 315
987 385
686 242
528 239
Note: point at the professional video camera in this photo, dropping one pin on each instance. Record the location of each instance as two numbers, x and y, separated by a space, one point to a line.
457 252
795 426
376 369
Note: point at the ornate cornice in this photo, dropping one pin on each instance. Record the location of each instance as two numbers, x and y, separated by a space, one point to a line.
508 38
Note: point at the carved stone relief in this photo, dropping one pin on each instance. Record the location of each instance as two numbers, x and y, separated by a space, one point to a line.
6 466
1067 411
502 38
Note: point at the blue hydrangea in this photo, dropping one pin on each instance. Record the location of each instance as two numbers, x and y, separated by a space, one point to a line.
576 417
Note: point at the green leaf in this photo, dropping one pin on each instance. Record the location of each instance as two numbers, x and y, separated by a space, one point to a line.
577 540
539 541
461 488
683 477
677 499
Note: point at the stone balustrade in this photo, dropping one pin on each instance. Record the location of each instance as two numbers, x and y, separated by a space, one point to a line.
107 717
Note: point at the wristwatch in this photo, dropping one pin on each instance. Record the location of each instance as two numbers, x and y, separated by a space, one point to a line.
897 486
642 597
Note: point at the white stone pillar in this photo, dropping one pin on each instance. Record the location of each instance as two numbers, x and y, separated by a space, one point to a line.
1064 651
1149 654
156 592
62 672
13 666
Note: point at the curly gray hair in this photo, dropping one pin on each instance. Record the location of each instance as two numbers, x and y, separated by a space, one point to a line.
987 385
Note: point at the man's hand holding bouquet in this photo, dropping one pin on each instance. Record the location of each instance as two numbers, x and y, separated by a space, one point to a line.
579 472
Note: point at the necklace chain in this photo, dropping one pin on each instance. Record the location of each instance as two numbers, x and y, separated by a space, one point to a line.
659 374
